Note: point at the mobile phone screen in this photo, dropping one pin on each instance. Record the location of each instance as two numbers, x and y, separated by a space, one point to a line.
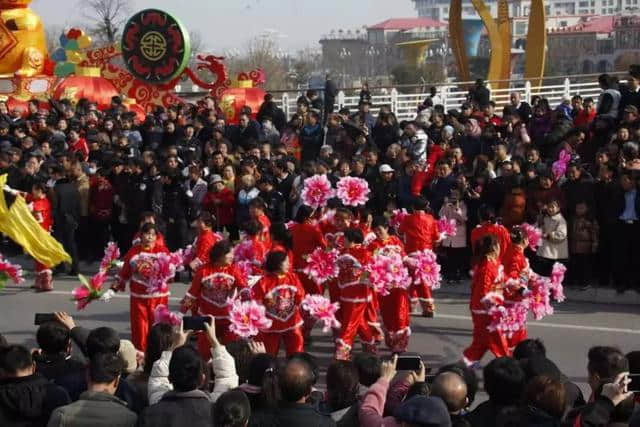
41 318
408 363
195 323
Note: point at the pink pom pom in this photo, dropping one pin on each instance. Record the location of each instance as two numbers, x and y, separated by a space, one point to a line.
247 318
9 271
446 227
386 272
397 216
322 309
353 191
425 268
534 235
322 265
507 320
164 269
538 301
557 277
317 191
162 314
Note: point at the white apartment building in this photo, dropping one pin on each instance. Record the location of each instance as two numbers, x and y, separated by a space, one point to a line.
439 9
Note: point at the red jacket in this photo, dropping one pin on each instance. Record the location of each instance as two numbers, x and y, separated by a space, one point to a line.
352 263
210 288
223 211
41 210
584 118
81 146
137 266
265 236
203 244
100 199
486 278
393 243
423 179
514 263
499 231
281 295
306 237
420 231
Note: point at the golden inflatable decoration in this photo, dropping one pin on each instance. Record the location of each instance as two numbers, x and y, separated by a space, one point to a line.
499 33
23 46
536 44
415 51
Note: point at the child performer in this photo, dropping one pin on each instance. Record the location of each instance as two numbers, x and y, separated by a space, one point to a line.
149 218
138 263
516 273
282 241
419 231
486 278
281 293
396 306
41 210
213 284
253 232
489 225
257 208
306 237
355 296
204 242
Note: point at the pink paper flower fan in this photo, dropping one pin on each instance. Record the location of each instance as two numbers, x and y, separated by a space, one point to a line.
90 290
110 257
176 260
447 227
425 268
322 265
507 320
247 318
386 272
397 216
9 271
557 277
492 299
162 271
322 309
534 235
162 314
243 251
317 191
353 191
539 301
189 254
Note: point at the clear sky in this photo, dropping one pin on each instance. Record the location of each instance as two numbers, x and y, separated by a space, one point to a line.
231 23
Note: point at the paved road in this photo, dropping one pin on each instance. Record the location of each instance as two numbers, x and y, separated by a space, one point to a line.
568 334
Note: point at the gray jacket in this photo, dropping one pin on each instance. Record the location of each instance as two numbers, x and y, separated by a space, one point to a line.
94 409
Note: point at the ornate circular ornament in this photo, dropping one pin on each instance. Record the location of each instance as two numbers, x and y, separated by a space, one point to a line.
155 46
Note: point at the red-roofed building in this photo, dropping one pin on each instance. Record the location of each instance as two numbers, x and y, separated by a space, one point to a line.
401 24
403 29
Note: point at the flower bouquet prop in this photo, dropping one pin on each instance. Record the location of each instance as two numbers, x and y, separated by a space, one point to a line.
322 309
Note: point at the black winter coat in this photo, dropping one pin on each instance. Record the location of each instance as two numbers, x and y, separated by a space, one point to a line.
29 401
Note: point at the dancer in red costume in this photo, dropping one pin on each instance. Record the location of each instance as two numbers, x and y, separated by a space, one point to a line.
364 224
355 296
149 218
334 235
253 232
419 231
488 225
204 242
306 237
396 306
41 210
281 293
136 270
257 209
213 284
516 269
487 277
281 241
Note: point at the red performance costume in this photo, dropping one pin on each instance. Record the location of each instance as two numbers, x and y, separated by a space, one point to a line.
41 210
306 237
138 263
355 297
420 231
396 306
265 237
499 231
487 277
207 296
281 295
201 248
516 267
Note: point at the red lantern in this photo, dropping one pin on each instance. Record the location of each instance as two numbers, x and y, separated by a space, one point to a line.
20 104
87 84
233 99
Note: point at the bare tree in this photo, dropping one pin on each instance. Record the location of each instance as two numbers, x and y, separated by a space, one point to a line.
107 17
52 34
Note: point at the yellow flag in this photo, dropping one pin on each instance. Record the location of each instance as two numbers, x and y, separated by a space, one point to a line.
18 223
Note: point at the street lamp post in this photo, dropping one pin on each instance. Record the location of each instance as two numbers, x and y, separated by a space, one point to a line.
372 53
345 55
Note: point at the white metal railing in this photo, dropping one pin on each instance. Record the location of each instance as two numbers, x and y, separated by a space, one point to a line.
405 105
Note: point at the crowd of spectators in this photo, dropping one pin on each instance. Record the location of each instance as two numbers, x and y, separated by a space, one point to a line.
91 378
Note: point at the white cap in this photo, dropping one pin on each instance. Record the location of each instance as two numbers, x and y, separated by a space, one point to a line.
385 168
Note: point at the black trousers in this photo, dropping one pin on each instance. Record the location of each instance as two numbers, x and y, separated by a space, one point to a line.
99 238
580 269
65 233
604 261
626 253
454 264
177 234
